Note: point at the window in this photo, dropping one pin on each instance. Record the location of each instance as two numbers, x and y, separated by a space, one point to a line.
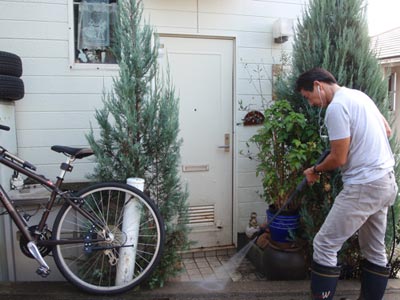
392 91
93 31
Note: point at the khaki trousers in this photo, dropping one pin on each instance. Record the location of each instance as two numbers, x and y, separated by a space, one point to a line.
361 207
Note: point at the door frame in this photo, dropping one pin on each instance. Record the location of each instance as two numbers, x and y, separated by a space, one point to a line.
233 118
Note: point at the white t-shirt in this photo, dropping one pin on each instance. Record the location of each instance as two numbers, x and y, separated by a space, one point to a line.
353 114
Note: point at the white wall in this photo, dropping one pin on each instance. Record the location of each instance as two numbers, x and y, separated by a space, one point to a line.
59 102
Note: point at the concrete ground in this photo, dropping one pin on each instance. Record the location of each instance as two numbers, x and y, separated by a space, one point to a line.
241 290
218 274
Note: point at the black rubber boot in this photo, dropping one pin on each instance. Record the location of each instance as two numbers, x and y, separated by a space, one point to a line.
323 281
374 279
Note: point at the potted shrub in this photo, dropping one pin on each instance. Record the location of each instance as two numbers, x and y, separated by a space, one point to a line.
285 144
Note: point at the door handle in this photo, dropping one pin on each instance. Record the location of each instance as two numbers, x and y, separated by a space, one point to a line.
227 143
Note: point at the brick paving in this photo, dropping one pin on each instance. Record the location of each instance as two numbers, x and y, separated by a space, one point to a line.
222 265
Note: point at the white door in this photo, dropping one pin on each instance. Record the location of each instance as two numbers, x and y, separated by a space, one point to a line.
202 72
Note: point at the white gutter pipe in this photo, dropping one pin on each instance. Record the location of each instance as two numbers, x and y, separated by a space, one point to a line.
130 227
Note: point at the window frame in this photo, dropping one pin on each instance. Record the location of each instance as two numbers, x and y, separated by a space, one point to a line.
392 90
71 46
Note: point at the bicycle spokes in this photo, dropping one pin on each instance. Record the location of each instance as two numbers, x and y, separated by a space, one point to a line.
120 242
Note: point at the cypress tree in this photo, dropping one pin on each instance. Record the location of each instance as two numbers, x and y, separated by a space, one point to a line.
139 125
333 34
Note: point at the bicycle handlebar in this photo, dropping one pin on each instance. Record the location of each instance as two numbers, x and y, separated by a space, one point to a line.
24 163
28 165
4 127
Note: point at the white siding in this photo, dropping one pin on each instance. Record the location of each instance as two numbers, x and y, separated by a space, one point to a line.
59 102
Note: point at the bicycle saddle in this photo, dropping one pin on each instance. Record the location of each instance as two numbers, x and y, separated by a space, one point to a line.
76 152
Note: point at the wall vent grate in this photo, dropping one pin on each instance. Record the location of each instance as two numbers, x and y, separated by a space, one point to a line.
201 214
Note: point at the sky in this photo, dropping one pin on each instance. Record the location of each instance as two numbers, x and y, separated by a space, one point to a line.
383 15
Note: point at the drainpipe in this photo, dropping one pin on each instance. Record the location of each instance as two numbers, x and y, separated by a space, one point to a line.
130 226
8 139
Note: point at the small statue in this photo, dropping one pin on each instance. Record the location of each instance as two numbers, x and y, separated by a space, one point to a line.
253 220
253 227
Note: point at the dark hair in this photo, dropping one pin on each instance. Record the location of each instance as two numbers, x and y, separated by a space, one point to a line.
306 80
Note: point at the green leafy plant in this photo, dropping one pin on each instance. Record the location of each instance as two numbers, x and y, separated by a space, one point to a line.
285 145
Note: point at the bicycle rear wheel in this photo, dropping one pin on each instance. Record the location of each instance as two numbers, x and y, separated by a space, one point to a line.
118 244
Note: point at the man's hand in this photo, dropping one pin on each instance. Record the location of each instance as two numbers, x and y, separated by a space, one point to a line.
311 176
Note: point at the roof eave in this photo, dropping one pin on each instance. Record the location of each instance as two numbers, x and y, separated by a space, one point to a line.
389 60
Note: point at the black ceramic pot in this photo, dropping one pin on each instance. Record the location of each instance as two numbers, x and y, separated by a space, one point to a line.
284 264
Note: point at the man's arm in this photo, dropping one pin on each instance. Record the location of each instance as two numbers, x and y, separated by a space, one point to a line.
336 158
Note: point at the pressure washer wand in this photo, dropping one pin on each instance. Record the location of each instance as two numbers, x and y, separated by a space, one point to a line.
298 189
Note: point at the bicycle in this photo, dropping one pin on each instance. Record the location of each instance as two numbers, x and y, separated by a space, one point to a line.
106 239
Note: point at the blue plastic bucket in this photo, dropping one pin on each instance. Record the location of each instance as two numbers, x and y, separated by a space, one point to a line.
282 225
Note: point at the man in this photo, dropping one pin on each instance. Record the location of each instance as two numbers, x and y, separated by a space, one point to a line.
358 136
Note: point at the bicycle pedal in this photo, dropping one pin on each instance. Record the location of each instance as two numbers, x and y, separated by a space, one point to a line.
43 271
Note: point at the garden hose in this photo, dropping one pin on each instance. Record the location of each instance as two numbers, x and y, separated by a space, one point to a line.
394 236
298 189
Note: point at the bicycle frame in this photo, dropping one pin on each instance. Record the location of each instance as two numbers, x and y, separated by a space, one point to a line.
106 238
8 160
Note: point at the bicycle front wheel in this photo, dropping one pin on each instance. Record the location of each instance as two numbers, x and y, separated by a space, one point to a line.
113 244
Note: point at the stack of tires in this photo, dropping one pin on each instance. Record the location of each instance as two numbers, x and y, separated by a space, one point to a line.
11 85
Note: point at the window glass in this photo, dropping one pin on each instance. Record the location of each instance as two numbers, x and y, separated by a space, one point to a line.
93 34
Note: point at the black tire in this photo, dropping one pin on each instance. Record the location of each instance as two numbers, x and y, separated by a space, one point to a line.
11 88
10 64
124 222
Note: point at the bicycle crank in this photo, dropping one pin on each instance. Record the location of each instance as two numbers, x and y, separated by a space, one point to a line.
44 269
